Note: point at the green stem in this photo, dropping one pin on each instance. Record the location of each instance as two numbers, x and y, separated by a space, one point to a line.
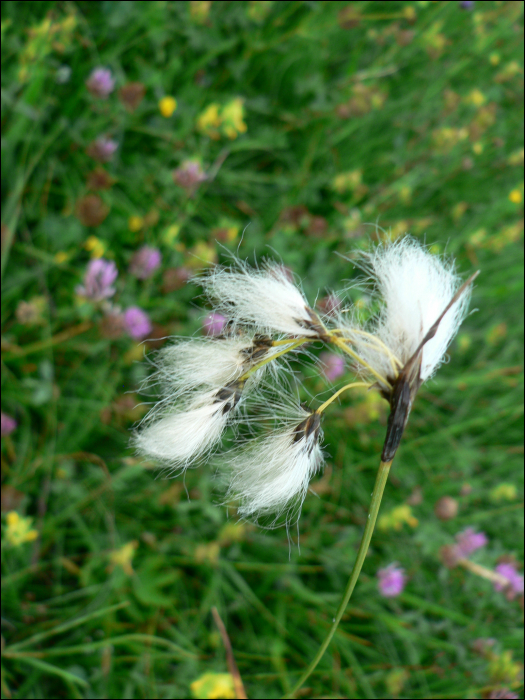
377 495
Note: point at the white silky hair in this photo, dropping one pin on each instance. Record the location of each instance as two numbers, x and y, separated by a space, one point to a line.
186 435
197 362
270 476
264 298
415 287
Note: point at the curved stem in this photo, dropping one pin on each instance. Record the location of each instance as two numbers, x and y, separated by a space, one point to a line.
337 393
377 495
336 340
292 344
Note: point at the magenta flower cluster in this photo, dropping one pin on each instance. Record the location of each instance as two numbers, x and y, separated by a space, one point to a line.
145 262
100 83
8 424
515 580
333 365
98 286
137 323
213 324
391 581
98 280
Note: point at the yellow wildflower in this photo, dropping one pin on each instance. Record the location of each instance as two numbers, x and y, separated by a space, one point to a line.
167 105
213 685
232 115
170 234
478 148
476 98
95 246
209 120
516 158
19 529
494 58
398 517
516 197
208 552
503 668
61 257
135 223
345 182
122 557
504 492
203 254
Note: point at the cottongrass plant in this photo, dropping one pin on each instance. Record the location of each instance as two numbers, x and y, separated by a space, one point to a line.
204 382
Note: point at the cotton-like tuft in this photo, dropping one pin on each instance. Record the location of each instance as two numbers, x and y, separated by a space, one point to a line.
263 298
185 436
415 287
270 475
206 363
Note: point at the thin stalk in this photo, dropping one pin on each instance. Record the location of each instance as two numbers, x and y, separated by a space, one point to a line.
377 495
292 345
336 340
340 391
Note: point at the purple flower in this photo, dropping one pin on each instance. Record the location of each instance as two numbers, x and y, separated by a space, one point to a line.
334 365
469 541
102 149
214 323
137 322
99 277
100 83
8 424
392 581
144 262
467 4
515 585
189 175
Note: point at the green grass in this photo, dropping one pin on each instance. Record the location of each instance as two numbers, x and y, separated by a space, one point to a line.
423 102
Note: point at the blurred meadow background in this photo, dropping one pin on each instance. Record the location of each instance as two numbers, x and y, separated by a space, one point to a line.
139 141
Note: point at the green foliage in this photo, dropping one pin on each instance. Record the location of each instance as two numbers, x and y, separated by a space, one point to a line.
360 117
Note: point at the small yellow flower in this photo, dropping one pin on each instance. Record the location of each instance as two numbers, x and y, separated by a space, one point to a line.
167 105
135 223
478 148
213 685
345 182
19 529
232 115
398 517
95 246
476 98
209 120
170 234
494 58
61 257
504 492
122 557
208 552
203 254
516 197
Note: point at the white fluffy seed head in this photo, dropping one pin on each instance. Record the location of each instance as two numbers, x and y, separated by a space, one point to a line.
263 298
415 287
270 475
185 435
193 363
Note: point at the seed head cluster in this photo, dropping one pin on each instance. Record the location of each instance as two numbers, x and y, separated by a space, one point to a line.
240 378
